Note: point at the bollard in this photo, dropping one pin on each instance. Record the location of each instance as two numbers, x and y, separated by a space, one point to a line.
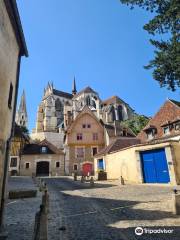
122 181
82 179
91 182
176 202
75 176
45 201
40 226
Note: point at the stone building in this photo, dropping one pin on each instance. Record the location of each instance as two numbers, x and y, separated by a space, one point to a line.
84 139
12 48
41 159
152 157
58 110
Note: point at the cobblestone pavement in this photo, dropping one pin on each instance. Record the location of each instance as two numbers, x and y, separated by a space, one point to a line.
109 211
20 213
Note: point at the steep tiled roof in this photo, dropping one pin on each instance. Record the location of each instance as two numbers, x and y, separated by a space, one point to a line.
175 102
35 148
62 94
168 113
118 144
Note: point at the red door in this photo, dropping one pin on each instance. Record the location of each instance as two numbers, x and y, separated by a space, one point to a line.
87 168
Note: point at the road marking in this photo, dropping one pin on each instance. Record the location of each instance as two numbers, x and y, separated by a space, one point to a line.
80 214
113 209
11 202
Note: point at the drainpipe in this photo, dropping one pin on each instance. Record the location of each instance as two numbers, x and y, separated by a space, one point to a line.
8 145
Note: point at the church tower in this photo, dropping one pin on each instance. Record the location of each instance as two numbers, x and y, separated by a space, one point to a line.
21 115
74 90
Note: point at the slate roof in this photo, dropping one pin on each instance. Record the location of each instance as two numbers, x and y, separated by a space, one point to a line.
118 144
85 90
35 148
62 94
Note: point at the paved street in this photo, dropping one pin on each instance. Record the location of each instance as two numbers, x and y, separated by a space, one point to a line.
109 211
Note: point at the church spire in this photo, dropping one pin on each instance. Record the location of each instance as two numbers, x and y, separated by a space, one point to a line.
21 115
74 90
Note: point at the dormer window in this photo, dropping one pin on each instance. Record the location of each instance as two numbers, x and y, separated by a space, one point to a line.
166 130
150 135
151 131
177 127
44 150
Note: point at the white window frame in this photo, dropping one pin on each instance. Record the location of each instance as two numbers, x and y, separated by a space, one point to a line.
76 152
167 128
17 162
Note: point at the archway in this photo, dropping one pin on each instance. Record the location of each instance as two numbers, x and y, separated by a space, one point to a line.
42 168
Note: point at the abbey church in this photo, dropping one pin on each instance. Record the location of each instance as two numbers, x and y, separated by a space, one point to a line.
76 126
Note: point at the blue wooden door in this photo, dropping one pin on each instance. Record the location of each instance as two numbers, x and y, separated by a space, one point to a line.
161 166
149 170
154 166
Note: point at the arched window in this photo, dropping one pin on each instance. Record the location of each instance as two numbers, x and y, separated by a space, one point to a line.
88 101
58 105
120 112
112 116
93 104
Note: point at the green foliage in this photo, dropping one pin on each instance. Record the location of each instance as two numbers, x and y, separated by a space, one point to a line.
137 123
166 20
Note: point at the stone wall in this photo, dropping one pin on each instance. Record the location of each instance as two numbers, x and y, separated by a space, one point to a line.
9 51
33 159
127 162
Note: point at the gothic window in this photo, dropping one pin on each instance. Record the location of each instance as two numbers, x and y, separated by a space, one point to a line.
58 105
93 104
88 101
120 112
112 116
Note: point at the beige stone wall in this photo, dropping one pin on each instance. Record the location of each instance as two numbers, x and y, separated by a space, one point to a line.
87 142
127 163
176 155
9 51
33 159
87 132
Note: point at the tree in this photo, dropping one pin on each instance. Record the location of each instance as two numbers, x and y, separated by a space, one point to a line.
166 20
137 123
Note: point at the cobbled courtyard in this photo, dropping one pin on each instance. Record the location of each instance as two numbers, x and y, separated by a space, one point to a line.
108 211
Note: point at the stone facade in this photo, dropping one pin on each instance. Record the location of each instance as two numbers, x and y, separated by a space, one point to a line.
58 110
84 138
126 162
41 159
12 47
165 123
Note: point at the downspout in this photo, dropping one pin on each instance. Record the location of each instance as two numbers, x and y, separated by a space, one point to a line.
8 143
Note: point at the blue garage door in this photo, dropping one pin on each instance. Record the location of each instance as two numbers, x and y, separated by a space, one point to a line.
154 166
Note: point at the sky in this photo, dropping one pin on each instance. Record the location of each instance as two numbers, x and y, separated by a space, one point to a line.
100 42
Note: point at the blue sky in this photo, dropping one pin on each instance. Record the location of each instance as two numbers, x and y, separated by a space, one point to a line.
101 42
